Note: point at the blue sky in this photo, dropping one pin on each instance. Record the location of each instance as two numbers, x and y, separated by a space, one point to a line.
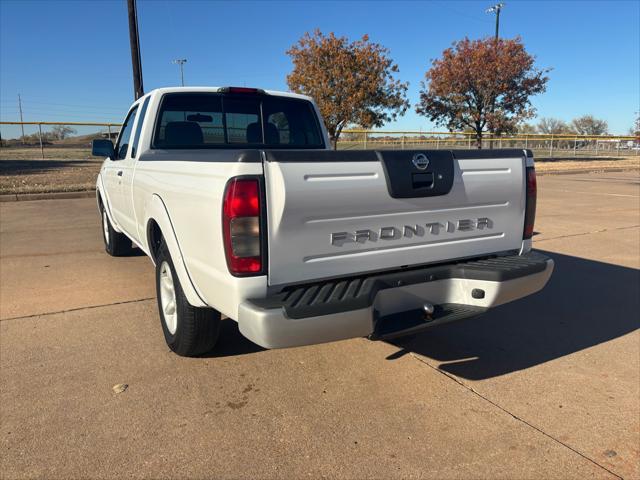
70 60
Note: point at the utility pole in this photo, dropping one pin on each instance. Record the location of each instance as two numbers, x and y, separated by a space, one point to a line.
21 124
134 40
496 9
181 62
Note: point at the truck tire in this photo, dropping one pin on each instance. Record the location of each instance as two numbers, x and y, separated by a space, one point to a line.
115 244
188 330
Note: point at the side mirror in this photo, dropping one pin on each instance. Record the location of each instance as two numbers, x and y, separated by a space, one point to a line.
102 148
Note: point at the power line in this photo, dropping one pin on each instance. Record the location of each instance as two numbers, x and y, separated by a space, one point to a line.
39 115
64 107
72 105
37 108
33 113
462 13
47 98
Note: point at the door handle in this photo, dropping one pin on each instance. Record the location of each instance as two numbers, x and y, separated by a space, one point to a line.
119 173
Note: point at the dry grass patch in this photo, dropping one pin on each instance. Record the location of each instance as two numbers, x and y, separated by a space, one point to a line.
46 176
71 170
625 163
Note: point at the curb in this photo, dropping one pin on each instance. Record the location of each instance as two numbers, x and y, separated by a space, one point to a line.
23 197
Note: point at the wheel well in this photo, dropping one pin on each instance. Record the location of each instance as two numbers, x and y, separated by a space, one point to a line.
154 237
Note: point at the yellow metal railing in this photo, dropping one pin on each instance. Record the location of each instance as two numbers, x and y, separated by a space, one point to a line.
544 144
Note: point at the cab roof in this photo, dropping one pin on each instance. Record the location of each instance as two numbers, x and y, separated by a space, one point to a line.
163 90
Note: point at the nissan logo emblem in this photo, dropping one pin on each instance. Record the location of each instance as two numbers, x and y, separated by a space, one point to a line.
420 161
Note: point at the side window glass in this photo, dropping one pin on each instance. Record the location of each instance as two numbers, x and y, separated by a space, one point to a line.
125 135
136 138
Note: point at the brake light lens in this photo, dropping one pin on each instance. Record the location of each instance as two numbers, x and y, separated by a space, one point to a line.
241 90
531 199
241 226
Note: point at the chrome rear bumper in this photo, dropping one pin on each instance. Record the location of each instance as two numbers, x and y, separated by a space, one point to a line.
373 306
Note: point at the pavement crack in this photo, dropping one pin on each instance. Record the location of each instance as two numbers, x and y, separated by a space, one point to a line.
587 233
512 415
90 307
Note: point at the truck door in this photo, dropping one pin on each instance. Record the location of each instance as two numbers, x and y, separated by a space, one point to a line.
127 208
119 172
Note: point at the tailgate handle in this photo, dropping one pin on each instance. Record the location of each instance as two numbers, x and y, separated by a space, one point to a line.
422 180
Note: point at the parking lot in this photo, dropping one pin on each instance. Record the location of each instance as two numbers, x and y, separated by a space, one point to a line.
547 387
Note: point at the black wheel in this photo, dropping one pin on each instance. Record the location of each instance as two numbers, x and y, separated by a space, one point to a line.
188 330
115 244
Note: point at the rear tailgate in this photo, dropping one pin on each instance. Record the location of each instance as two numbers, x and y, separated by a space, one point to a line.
337 213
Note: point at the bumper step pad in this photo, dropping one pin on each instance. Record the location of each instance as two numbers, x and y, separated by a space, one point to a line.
330 297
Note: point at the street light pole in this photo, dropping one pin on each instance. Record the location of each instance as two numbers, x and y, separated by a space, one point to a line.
181 62
496 9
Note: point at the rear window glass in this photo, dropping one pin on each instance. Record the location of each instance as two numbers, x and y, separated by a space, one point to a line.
214 120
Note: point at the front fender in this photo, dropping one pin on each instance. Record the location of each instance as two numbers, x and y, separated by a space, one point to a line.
157 211
101 195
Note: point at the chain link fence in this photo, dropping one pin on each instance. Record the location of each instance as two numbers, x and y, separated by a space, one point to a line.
72 141
558 147
53 140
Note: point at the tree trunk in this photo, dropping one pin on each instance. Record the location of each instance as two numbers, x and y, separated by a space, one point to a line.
478 139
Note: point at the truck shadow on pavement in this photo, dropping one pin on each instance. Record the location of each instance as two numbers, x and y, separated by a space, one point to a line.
584 304
231 342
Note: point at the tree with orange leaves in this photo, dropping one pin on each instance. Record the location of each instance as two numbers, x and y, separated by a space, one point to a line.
351 82
484 85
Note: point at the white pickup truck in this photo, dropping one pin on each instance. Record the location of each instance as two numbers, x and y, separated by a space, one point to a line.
247 212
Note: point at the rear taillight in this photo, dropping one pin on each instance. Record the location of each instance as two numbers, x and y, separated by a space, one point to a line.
530 208
241 226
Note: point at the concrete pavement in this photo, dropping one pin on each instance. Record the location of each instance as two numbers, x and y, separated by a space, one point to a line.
547 387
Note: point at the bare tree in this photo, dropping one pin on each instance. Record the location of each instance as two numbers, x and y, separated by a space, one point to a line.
526 128
589 125
553 126
60 132
635 130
